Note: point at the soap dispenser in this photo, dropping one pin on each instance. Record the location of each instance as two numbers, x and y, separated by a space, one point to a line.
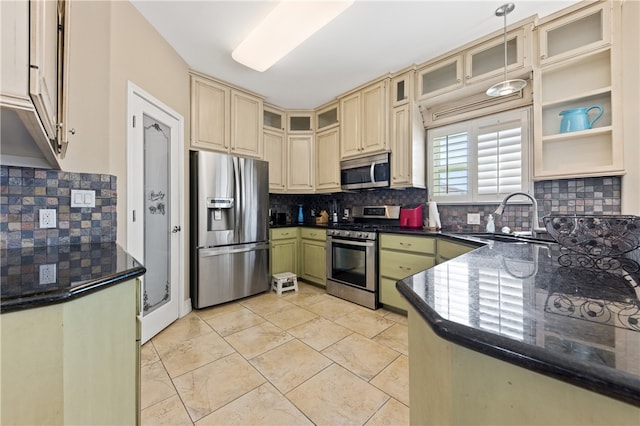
491 226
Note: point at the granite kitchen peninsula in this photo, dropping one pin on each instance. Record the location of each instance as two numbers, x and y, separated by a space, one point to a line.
507 335
70 334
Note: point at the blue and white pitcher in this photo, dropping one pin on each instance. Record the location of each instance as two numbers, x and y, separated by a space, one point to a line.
578 119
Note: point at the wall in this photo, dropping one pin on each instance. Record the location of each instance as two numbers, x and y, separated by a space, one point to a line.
631 106
111 43
568 196
24 191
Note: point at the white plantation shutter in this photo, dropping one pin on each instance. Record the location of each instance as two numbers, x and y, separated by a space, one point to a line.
450 171
500 159
481 160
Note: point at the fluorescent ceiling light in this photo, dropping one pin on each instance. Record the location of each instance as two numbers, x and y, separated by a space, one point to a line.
289 24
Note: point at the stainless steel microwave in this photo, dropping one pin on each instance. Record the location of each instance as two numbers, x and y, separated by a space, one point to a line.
366 172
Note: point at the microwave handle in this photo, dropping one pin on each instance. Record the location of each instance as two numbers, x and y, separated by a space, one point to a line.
371 172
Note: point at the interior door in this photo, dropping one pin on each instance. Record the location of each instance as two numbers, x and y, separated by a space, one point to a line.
154 222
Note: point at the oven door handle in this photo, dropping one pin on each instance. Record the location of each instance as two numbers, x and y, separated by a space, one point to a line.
352 242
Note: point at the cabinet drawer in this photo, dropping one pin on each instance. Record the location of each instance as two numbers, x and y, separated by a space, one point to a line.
313 234
284 233
390 296
449 249
422 245
398 265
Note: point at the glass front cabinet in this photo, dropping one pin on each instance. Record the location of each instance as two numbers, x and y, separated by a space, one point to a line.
577 103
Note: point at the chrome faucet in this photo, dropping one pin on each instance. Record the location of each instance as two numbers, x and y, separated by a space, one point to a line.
535 225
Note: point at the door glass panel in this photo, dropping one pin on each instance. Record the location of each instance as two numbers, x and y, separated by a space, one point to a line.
157 142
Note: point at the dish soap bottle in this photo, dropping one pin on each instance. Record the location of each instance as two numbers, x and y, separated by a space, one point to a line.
491 227
300 214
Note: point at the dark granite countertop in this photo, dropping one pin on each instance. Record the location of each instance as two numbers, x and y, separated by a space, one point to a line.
71 271
577 322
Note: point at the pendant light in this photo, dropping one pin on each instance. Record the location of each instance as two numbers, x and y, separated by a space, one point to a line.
506 87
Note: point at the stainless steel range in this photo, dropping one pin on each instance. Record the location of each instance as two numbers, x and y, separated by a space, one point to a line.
352 254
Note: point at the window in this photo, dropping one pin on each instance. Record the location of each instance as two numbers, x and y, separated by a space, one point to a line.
480 160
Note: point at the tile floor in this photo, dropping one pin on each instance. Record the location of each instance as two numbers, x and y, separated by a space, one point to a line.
299 359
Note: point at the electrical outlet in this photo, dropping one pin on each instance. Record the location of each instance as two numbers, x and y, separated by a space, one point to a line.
47 218
48 274
473 218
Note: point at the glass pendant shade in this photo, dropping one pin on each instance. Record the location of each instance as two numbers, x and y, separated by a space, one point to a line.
506 87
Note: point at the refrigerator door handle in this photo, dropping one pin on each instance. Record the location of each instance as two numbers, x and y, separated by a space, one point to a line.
216 251
238 204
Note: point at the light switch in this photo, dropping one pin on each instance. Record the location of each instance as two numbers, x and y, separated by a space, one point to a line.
83 198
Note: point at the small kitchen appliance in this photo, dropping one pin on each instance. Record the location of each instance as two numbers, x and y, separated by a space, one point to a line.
411 216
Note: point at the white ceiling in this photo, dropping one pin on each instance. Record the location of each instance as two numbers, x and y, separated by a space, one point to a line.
368 40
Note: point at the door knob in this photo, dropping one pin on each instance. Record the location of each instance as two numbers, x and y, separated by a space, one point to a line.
176 229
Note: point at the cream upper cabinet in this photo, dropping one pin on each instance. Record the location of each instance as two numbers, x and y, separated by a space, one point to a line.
225 119
363 121
275 148
586 30
440 77
477 62
301 170
35 55
246 124
299 121
486 60
328 161
327 149
406 135
210 104
275 152
583 144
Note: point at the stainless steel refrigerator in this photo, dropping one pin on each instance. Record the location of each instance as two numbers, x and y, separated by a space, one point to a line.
229 228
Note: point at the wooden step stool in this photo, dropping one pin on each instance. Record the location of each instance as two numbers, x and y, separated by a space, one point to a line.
284 281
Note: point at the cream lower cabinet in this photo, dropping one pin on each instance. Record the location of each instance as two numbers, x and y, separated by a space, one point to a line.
284 250
75 362
401 256
313 260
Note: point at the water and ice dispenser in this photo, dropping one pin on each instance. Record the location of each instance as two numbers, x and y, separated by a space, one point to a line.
220 214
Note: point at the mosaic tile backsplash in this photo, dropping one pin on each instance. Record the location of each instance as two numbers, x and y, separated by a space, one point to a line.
24 191
599 195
